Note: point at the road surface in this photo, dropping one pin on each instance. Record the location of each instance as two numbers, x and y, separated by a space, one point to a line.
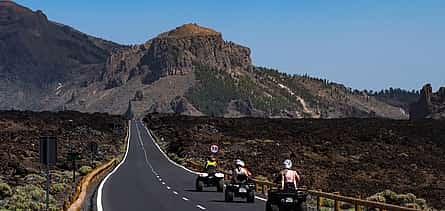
147 180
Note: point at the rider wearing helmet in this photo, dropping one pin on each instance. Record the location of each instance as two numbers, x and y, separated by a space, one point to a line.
210 163
240 172
289 178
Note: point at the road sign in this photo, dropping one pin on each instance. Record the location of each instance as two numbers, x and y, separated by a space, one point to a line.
214 148
73 156
48 150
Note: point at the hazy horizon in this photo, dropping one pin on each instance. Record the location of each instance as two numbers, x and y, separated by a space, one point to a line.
362 44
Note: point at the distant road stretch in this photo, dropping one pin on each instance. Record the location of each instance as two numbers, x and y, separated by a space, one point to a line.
147 180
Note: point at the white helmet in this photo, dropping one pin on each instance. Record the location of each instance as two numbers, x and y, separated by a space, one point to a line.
239 162
287 164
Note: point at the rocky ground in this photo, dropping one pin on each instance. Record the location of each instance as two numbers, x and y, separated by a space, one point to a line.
353 156
22 179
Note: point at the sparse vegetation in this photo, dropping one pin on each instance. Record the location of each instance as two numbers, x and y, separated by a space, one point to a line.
5 190
84 170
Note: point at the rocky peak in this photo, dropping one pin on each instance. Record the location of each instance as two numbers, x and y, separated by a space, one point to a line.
429 105
189 30
177 52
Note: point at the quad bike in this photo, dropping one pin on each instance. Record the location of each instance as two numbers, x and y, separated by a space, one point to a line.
292 200
244 188
210 179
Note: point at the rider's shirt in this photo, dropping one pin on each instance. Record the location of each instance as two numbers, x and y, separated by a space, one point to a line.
241 171
210 163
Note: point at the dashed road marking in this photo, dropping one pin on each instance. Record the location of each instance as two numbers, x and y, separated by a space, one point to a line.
262 199
168 187
163 183
200 207
174 192
185 199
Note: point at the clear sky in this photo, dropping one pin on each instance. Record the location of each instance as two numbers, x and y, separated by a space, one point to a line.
371 44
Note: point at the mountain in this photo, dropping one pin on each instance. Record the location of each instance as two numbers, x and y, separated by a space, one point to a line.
430 105
38 56
190 70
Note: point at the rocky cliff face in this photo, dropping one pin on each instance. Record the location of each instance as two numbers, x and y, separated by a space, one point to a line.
176 53
429 105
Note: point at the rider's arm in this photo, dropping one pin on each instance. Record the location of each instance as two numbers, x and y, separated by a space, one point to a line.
296 179
282 181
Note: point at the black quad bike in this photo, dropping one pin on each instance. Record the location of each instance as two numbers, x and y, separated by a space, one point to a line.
242 189
210 179
292 200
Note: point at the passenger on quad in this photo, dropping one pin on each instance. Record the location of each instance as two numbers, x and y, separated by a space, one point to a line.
211 164
289 177
240 173
241 185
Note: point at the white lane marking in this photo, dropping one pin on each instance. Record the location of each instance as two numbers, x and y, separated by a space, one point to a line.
200 207
157 176
185 199
165 155
163 183
101 186
174 192
168 187
262 199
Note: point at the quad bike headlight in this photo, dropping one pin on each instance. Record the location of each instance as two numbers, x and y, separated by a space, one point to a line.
219 175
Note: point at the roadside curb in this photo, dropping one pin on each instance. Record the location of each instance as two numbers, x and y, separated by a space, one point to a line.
78 197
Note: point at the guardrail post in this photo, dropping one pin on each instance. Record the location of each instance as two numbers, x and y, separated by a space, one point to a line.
319 201
336 202
357 206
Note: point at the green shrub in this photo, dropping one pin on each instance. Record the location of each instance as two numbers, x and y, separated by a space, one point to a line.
29 197
5 190
58 188
34 179
84 170
328 203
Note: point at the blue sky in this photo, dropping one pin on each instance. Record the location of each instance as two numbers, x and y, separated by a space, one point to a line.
371 44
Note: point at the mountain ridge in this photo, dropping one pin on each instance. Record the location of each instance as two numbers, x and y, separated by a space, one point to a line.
168 73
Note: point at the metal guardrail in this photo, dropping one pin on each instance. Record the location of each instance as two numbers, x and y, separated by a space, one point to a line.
264 186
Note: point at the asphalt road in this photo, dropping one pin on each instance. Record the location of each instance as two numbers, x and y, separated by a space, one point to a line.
147 180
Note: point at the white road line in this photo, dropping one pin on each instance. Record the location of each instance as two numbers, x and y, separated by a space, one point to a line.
101 186
163 183
165 155
262 199
168 187
174 192
185 199
200 207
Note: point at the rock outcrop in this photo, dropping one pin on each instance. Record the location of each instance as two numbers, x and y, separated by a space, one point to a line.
176 53
429 105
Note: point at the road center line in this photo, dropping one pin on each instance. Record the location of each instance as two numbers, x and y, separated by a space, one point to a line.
174 192
185 199
200 207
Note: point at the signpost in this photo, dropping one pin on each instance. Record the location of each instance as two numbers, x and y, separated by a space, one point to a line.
92 147
48 157
73 156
